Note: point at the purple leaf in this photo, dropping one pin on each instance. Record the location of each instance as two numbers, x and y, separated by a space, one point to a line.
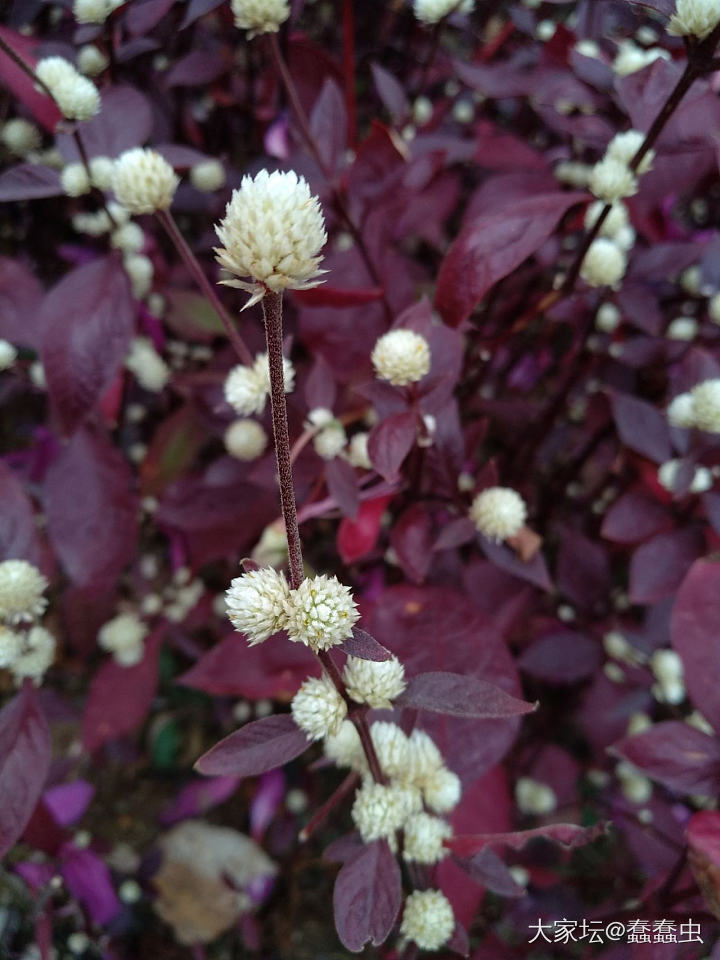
561 658
459 942
199 796
390 441
29 181
20 297
642 427
535 571
460 696
197 9
411 538
456 533
255 748
197 68
68 801
634 517
566 834
657 567
24 763
695 637
390 91
491 247
328 124
125 121
88 322
487 868
18 530
583 570
367 897
342 486
364 647
88 879
142 17
120 697
677 755
91 509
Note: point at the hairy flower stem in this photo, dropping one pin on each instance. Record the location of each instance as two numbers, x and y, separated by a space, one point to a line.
198 275
272 310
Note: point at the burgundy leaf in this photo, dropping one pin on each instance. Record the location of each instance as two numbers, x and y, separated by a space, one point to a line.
88 322
677 755
29 181
255 748
14 78
328 124
583 570
19 537
125 121
411 538
20 297
367 897
142 17
535 571
364 647
24 763
459 942
695 636
197 9
390 91
88 878
657 567
91 509
390 441
491 247
356 538
566 834
561 658
342 486
634 517
487 868
197 68
320 389
325 296
642 427
120 697
460 696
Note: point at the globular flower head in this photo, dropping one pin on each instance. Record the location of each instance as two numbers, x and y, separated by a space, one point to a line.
321 613
425 757
256 603
442 790
611 180
124 636
432 11
615 221
330 441
260 16
140 270
380 810
245 439
143 181
376 683
11 646
21 591
318 709
498 513
37 656
424 835
358 455
91 60
245 390
624 146
694 18
74 180
428 919
21 136
149 368
8 355
706 405
101 172
208 175
76 96
51 70
534 797
345 749
604 264
272 232
92 11
401 357
680 411
393 750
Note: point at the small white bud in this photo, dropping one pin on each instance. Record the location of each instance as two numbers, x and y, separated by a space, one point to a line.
20 136
91 61
124 636
208 176
608 317
143 181
423 838
706 405
534 798
245 439
74 180
611 180
680 411
604 263
8 355
148 367
317 708
694 18
401 357
498 513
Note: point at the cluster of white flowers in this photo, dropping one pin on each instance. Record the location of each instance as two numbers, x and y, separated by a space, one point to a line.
630 57
694 18
20 136
272 232
317 708
401 357
124 637
668 669
433 11
534 797
146 364
247 388
143 181
699 408
245 439
26 648
260 16
376 683
76 96
498 513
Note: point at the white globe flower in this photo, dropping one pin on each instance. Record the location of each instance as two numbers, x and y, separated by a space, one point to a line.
11 646
143 181
148 367
260 16
423 838
442 790
74 180
393 750
92 11
77 97
375 683
140 270
52 70
401 357
101 172
20 136
425 758
624 146
706 405
330 441
8 355
682 328
535 798
498 513
630 57
613 223
91 60
256 603
318 709
681 411
611 180
357 454
208 176
37 656
432 11
128 237
21 591
380 810
604 264
321 613
245 390
245 439
607 318
572 173
124 637
694 18
428 919
345 749
272 232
